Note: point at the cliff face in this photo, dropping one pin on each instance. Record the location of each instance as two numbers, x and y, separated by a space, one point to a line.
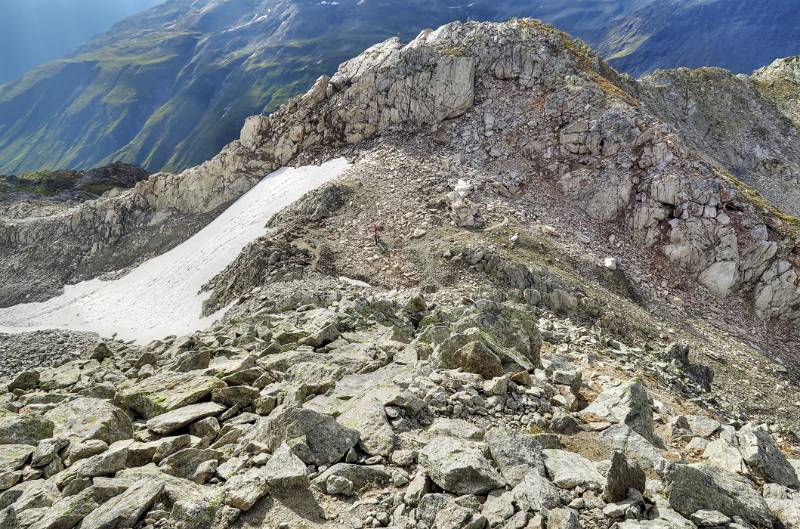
734 120
778 82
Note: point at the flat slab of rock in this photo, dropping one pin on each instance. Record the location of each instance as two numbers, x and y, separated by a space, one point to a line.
459 467
175 488
125 511
166 392
87 418
710 519
698 487
569 470
14 456
176 419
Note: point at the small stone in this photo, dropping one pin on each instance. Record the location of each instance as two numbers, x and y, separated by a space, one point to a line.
339 486
610 263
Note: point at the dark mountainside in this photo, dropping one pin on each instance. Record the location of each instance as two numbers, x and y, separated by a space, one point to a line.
65 182
738 35
43 30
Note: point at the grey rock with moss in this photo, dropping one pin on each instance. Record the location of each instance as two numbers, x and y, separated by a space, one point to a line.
703 487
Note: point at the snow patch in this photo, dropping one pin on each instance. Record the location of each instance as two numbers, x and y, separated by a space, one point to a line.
162 296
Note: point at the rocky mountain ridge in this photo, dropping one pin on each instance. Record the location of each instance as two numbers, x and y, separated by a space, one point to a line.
64 185
526 348
716 229
743 122
168 88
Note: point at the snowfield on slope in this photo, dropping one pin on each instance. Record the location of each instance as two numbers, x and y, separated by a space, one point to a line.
162 296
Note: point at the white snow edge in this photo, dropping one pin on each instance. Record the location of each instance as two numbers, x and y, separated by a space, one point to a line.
161 297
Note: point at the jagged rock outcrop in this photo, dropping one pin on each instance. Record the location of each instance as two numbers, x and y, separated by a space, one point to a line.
730 119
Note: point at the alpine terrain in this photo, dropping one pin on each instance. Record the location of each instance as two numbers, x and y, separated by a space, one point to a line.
167 88
473 280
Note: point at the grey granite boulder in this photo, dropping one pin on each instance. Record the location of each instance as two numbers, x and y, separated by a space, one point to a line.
165 392
535 493
459 467
622 475
317 439
125 511
244 489
88 418
629 404
24 429
516 454
764 458
176 419
696 487
14 456
569 470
